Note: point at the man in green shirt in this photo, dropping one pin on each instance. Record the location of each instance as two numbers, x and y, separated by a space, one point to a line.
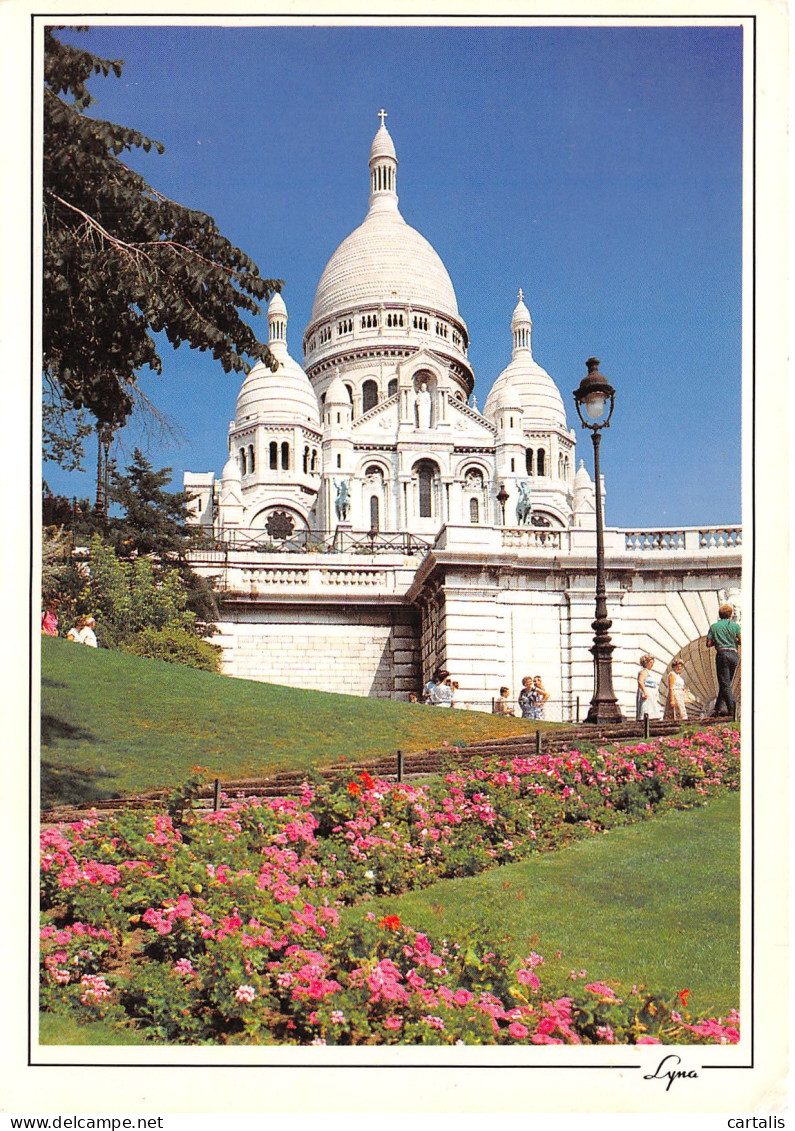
724 637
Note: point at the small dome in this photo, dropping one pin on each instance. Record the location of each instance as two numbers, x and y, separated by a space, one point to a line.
582 478
231 472
539 396
336 393
283 397
507 396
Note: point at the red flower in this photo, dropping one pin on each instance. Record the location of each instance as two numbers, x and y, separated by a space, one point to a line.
683 996
354 788
366 780
390 923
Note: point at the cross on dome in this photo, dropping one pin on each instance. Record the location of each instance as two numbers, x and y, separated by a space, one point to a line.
382 114
521 294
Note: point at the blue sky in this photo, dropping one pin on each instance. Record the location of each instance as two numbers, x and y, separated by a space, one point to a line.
597 168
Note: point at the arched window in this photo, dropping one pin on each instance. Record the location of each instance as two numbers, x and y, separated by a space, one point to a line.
285 456
392 387
273 453
369 395
314 459
349 390
474 511
426 472
374 519
540 462
306 460
251 464
242 461
528 461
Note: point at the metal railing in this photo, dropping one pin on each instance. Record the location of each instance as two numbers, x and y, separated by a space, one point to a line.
552 711
311 542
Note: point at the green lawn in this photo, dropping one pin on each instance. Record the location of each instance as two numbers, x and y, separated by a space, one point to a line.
655 903
57 1030
114 724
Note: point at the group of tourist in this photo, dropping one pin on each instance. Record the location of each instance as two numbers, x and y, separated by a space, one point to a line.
441 690
82 632
531 700
724 636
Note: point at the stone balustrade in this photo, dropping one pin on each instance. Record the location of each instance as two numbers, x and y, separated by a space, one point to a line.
386 574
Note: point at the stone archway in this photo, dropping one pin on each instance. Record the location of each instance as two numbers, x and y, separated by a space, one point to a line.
701 683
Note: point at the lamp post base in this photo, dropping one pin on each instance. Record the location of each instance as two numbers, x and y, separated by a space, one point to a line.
604 712
604 705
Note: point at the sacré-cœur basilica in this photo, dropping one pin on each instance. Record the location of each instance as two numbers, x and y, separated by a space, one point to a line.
360 535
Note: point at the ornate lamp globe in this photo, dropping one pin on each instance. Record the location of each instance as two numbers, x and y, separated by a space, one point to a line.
593 395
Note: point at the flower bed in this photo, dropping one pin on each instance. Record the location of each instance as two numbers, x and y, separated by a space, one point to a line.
226 927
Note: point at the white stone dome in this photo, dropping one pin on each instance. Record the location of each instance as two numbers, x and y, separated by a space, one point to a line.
582 478
540 397
231 472
507 396
283 397
336 393
384 260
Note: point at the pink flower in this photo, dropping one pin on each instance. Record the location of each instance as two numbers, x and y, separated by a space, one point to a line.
647 1041
393 1022
337 1017
463 997
245 994
606 1034
602 989
528 978
184 966
518 1031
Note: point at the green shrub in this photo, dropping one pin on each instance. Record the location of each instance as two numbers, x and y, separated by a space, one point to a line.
175 646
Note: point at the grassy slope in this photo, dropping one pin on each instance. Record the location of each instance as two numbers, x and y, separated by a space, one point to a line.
656 903
115 724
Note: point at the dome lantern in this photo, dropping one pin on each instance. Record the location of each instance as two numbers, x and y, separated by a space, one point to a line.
277 322
521 325
383 170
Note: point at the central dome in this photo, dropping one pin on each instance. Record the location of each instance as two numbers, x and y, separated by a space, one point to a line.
384 260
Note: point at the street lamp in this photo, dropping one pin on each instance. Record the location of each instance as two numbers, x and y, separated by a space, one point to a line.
502 499
595 395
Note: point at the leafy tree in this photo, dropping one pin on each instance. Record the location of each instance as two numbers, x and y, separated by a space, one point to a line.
63 432
121 261
142 608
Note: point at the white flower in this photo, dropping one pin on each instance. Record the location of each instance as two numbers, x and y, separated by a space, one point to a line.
369 874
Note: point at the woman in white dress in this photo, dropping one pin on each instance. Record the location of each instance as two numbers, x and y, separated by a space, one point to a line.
676 708
648 687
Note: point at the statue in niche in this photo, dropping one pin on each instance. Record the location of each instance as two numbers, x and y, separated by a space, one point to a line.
422 402
342 503
524 506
